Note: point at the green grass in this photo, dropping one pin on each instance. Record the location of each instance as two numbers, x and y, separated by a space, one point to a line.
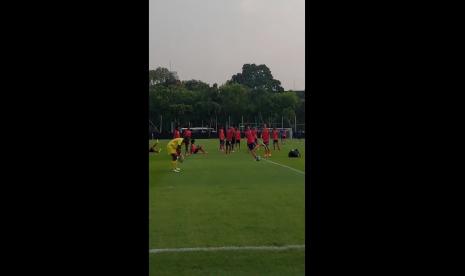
227 200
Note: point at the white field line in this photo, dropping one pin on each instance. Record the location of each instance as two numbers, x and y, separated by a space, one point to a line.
228 248
284 166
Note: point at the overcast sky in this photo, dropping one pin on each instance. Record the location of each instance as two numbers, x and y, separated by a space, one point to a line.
210 40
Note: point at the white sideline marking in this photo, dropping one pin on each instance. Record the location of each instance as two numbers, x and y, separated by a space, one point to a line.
284 166
228 248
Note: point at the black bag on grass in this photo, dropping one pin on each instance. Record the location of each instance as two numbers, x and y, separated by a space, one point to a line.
294 153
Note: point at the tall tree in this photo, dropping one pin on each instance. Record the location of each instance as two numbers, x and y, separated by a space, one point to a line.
257 77
161 75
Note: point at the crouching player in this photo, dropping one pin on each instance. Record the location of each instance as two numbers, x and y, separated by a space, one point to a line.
195 149
174 150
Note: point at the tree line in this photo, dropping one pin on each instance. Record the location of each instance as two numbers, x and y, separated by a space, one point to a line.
252 96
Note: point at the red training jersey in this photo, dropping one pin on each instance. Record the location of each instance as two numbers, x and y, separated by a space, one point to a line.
250 137
176 134
275 135
229 134
238 134
266 134
187 133
193 148
221 134
254 133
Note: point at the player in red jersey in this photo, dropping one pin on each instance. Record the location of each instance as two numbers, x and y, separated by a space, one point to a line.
221 139
195 149
251 143
283 136
176 133
275 139
187 135
238 138
229 137
266 140
233 140
254 133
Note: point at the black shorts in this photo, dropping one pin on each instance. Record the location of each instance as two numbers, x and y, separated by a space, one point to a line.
187 140
174 156
266 143
221 142
275 141
233 141
228 143
238 141
251 146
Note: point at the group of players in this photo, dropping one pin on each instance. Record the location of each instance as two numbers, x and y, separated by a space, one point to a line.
233 139
229 140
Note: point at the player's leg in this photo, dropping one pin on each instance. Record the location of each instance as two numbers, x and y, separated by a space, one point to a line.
267 150
174 162
252 150
200 148
186 144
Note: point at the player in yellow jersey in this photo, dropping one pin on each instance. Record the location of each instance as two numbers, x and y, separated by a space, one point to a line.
174 149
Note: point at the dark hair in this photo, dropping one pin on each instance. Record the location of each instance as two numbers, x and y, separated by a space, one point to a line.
192 141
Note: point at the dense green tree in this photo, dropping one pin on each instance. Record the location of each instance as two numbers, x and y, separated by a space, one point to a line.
161 76
257 77
252 97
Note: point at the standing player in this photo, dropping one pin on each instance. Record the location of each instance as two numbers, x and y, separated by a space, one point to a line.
266 140
221 139
283 136
238 138
275 139
176 133
229 137
251 143
187 134
174 149
254 133
233 140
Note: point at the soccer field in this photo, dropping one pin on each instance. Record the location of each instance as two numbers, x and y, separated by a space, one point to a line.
228 201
